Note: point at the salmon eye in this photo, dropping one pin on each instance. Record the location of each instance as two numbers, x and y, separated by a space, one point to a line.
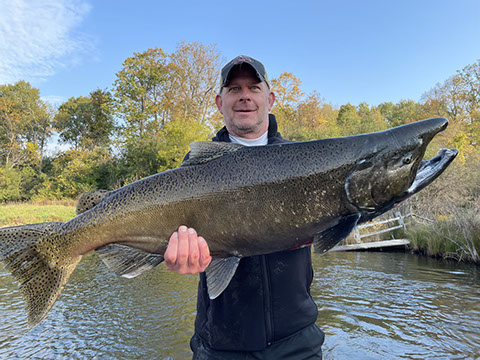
407 159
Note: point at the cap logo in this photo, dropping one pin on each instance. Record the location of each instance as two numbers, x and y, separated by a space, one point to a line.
242 59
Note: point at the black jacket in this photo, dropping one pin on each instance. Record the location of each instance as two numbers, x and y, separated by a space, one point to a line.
268 298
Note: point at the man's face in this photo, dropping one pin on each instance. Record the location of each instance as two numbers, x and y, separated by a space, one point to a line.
245 104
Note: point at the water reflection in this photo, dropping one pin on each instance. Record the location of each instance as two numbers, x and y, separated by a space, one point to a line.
372 306
397 306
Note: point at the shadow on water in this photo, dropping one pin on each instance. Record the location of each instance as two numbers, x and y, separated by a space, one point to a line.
372 306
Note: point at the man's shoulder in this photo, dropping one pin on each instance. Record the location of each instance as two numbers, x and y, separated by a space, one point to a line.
278 140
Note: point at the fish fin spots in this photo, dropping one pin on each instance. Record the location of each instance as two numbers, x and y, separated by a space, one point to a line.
44 286
219 274
204 151
128 261
17 238
90 199
325 240
33 264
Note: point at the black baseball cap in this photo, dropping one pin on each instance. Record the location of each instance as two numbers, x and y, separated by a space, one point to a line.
239 61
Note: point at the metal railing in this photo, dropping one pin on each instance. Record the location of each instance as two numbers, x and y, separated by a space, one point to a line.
398 218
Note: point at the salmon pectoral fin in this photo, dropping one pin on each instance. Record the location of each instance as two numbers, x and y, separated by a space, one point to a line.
37 265
219 273
325 240
128 261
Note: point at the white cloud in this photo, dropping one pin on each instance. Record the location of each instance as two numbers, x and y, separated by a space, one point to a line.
39 37
54 100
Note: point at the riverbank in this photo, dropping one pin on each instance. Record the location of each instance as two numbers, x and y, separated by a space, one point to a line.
450 207
13 214
447 239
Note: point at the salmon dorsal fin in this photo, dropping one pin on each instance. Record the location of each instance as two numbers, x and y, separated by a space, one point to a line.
205 151
90 199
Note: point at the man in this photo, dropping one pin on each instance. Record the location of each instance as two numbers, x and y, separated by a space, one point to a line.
266 312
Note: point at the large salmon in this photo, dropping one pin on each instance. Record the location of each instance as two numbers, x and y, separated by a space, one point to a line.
243 200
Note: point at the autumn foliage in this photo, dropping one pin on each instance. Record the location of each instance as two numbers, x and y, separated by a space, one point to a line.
159 103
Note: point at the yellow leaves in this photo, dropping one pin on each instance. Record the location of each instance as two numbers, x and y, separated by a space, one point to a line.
154 87
10 117
286 89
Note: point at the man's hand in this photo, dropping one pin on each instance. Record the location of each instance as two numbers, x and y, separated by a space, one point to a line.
187 253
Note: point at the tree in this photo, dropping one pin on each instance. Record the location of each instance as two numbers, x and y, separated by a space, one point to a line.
470 80
287 96
74 172
154 88
458 98
165 150
24 119
348 120
447 99
287 89
140 92
403 112
177 135
86 122
316 119
371 119
361 119
195 68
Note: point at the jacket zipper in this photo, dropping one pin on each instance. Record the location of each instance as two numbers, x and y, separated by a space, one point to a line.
267 303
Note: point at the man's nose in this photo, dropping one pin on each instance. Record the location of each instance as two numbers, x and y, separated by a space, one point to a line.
245 95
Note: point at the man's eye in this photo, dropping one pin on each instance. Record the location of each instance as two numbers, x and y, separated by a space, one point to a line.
255 87
234 88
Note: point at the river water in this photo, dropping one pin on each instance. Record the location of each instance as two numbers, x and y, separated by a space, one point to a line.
371 306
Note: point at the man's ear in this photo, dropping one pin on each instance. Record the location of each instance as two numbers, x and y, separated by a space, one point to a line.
271 100
219 102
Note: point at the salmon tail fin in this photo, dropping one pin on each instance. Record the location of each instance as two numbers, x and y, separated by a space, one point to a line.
41 278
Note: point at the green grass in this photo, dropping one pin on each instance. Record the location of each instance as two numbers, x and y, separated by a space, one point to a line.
445 239
13 214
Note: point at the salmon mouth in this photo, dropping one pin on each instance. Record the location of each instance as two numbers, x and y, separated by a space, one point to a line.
429 170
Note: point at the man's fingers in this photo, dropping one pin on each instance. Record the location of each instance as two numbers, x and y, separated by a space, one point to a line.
205 257
182 249
187 253
193 255
170 255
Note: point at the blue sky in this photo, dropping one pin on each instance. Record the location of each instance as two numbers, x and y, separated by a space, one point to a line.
348 51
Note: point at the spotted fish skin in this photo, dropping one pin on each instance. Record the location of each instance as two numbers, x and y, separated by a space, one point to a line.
243 200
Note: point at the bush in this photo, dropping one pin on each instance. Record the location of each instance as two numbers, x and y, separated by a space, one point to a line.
75 172
17 184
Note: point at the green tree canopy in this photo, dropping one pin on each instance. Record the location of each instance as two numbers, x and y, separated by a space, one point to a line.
86 122
141 92
25 124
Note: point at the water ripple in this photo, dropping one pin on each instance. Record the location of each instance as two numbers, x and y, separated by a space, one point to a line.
399 305
373 305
